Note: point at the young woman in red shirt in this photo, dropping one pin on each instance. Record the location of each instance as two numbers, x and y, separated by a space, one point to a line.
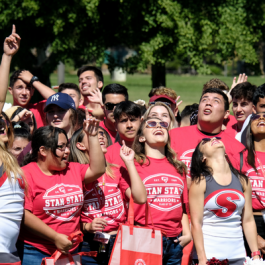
104 208
164 178
55 195
253 166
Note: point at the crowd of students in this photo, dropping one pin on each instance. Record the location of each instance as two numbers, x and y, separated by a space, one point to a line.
73 161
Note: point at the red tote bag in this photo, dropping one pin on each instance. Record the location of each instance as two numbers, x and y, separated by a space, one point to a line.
135 245
58 258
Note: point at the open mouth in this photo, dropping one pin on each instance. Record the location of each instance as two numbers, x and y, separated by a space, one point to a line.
102 143
215 142
158 132
207 111
2 131
64 159
261 123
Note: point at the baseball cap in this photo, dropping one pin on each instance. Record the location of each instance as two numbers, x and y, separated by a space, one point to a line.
156 97
62 100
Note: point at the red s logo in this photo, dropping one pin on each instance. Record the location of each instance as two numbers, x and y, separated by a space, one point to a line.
226 201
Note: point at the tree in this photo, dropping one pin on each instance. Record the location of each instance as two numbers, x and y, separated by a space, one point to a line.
156 29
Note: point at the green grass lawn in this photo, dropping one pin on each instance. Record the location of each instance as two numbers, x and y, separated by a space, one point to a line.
187 87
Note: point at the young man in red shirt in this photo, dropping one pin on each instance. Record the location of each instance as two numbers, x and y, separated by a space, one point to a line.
242 96
22 86
213 109
127 117
112 95
90 79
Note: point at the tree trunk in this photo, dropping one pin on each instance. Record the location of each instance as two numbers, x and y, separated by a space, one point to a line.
158 75
42 73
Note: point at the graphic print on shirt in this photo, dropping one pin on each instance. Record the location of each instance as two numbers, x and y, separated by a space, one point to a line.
63 201
94 201
186 158
164 191
224 203
257 182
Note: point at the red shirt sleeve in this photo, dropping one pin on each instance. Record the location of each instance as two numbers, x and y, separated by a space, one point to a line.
29 196
125 181
83 169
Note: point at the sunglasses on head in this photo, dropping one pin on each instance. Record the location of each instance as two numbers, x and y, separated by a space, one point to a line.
154 102
205 140
257 116
110 106
154 124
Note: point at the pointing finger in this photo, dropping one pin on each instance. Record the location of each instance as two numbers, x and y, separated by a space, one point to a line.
13 29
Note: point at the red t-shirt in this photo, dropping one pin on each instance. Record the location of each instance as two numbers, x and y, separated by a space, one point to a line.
112 134
113 155
231 126
56 200
185 139
166 193
105 201
257 180
37 110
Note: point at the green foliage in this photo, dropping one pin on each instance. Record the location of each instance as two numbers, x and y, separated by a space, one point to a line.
156 29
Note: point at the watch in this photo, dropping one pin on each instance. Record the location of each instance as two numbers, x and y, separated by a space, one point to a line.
33 79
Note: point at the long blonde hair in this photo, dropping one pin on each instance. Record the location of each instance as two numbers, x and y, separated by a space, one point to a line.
76 155
10 164
140 155
173 123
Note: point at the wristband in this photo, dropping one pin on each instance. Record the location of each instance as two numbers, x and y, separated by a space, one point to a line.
33 79
255 253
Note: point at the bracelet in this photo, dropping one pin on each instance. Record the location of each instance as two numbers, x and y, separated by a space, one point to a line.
18 116
255 253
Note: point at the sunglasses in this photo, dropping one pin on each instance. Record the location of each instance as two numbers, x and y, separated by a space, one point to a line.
257 116
154 102
110 106
205 140
102 134
154 124
3 122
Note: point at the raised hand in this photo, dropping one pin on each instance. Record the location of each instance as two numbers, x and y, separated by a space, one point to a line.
90 125
12 43
26 76
23 115
241 78
126 153
177 106
95 96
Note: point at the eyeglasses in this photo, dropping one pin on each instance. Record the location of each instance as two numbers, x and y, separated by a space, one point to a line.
110 106
154 102
154 124
205 140
102 134
257 116
3 122
62 147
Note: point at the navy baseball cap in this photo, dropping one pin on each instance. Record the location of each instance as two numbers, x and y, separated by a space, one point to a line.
62 100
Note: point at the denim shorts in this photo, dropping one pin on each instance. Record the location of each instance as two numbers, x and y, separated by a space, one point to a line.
90 245
172 252
30 255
